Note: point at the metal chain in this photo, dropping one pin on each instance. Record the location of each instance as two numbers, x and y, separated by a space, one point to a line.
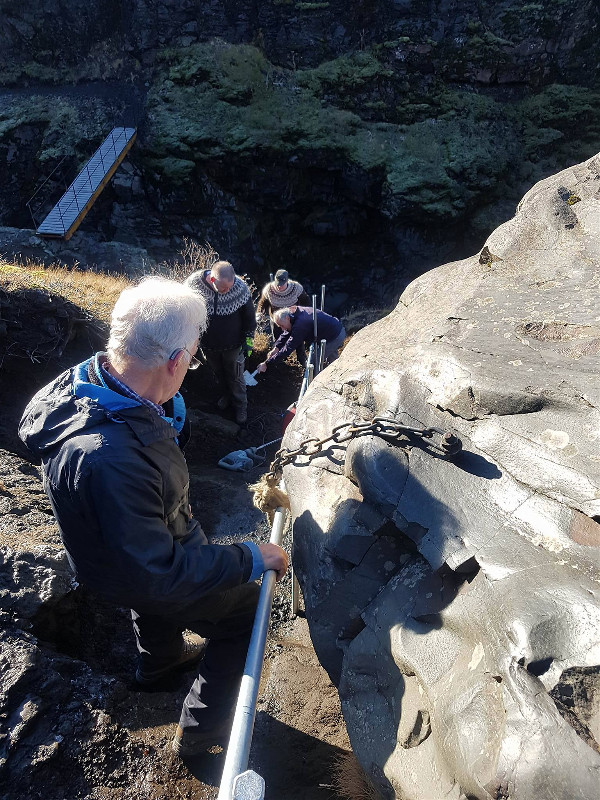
386 427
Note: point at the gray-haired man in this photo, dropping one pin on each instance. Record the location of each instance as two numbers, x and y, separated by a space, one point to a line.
110 433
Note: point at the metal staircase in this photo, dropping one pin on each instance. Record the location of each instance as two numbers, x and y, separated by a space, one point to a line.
66 216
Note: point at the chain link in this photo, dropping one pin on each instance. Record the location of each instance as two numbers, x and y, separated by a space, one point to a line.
386 427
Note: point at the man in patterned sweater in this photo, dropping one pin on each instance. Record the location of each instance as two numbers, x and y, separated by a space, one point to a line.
231 326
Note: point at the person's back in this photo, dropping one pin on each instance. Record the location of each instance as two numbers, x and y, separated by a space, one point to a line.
328 327
297 324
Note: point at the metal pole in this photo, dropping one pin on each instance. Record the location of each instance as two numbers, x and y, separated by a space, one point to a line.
238 750
322 354
262 447
323 297
271 278
305 379
314 309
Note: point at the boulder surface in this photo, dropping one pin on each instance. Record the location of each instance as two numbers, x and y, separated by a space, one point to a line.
455 600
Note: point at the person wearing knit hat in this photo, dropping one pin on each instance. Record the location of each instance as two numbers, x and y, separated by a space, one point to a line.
282 292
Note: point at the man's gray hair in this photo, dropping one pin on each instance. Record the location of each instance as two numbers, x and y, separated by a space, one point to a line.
151 320
282 314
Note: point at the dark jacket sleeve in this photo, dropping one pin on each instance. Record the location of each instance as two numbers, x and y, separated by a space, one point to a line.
248 318
289 341
142 563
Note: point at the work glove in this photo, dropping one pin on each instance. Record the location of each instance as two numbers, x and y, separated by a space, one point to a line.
248 346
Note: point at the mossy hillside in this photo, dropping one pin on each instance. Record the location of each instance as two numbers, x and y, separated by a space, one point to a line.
217 100
61 128
448 150
105 60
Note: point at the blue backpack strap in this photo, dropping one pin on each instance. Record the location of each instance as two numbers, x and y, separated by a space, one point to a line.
178 418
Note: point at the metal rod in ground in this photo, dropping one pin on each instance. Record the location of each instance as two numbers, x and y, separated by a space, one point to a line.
314 310
267 444
240 739
322 297
271 278
305 379
322 354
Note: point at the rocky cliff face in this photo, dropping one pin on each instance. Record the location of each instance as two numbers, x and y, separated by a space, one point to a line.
455 600
323 136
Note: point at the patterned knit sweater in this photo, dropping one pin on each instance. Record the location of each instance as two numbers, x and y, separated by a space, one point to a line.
272 299
230 315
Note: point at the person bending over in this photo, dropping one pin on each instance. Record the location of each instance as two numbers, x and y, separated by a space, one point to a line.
297 324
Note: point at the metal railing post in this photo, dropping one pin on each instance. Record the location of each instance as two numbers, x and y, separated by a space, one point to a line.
240 739
305 380
270 320
323 297
322 354
314 310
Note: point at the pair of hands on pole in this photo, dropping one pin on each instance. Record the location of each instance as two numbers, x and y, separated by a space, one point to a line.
274 557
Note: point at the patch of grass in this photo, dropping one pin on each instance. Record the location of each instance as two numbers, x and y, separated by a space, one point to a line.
93 292
360 318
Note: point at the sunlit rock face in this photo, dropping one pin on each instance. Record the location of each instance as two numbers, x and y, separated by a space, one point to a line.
455 601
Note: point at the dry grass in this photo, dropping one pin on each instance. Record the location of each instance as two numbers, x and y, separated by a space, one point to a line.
94 292
350 780
360 318
262 344
192 257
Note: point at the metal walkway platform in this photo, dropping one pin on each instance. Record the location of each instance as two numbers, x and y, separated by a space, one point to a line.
67 214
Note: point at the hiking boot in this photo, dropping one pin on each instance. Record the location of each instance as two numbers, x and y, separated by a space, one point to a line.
223 403
186 743
192 651
241 416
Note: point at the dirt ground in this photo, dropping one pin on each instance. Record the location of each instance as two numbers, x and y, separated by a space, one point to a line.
299 732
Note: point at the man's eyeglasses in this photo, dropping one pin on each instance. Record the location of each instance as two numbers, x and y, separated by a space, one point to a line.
194 362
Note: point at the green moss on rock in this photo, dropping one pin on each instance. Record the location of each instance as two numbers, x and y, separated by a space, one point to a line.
442 152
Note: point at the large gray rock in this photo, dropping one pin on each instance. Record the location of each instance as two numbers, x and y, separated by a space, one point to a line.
456 601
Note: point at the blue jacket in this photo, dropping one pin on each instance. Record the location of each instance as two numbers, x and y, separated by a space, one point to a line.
302 331
118 485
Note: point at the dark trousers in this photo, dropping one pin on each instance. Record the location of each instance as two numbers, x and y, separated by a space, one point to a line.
332 347
228 366
225 619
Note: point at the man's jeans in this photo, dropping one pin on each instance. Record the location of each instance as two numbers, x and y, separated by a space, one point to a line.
332 347
225 619
228 366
